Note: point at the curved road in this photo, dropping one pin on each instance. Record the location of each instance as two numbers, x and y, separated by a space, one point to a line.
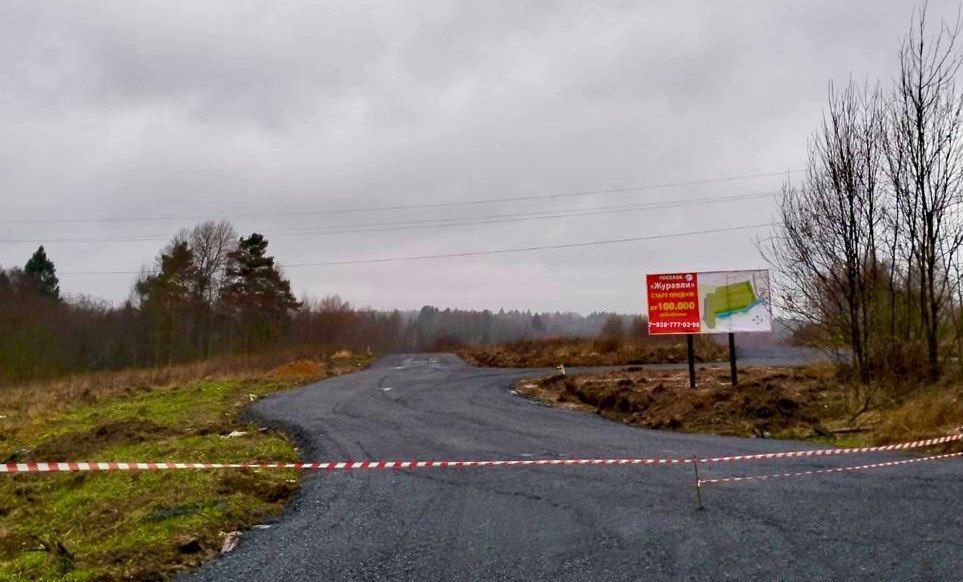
571 523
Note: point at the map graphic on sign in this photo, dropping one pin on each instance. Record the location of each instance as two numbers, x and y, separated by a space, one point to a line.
709 302
728 300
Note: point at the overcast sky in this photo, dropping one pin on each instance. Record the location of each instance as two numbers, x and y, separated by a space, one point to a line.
281 111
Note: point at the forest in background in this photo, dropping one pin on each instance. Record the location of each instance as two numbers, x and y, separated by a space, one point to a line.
212 293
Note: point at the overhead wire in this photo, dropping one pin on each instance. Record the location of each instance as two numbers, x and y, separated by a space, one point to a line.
432 223
497 218
477 253
423 205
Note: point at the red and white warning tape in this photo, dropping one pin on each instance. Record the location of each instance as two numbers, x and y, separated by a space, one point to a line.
837 451
333 466
832 470
55 467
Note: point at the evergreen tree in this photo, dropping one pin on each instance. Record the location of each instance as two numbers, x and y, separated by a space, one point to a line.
172 286
168 298
43 275
256 296
537 323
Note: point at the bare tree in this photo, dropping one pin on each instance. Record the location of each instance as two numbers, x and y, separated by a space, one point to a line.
211 242
924 151
614 328
825 249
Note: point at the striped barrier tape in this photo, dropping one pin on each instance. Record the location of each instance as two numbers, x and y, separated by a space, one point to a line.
836 451
822 471
60 467
55 467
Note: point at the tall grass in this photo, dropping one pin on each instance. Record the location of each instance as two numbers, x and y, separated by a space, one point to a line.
39 399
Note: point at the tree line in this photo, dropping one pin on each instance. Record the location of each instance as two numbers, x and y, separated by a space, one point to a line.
211 292
867 246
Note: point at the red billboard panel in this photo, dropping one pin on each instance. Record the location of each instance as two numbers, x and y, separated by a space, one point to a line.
673 300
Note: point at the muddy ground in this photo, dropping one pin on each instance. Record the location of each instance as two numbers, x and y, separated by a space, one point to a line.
804 402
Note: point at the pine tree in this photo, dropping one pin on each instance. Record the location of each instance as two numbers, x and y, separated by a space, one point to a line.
256 296
171 286
167 298
537 323
43 275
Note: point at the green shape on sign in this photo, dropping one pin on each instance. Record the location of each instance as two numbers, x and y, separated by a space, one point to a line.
727 300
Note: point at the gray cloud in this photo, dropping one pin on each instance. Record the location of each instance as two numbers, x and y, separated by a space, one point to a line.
113 109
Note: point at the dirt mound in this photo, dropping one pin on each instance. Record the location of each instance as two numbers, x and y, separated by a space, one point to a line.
297 370
81 445
244 482
766 401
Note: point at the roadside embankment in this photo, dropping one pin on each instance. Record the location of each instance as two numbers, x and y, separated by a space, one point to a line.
801 403
108 526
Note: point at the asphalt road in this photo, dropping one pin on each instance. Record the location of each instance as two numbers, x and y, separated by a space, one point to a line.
571 523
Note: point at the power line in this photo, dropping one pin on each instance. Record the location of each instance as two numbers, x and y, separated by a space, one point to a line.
476 201
525 249
433 223
476 253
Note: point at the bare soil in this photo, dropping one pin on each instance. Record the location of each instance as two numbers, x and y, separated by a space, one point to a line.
297 370
805 402
79 445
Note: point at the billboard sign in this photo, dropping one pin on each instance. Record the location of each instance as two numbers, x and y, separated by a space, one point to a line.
709 302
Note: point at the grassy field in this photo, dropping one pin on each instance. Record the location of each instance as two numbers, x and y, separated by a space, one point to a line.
550 352
108 526
801 403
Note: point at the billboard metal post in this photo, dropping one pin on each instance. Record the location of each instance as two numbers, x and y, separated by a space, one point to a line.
691 350
733 372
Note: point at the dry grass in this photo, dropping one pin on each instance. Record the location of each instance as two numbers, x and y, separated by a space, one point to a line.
541 353
37 400
144 525
927 412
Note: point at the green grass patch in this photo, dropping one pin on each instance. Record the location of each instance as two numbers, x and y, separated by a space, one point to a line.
137 525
